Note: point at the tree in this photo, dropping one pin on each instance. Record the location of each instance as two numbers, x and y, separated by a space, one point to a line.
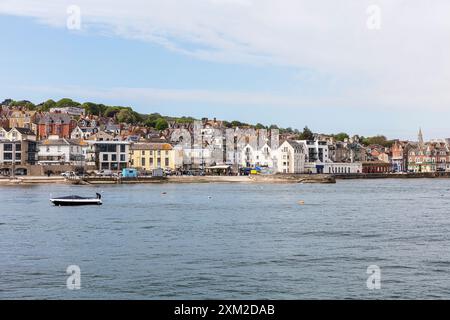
91 108
227 124
149 122
47 105
260 126
161 124
111 112
66 102
24 104
307 134
236 123
183 119
341 136
379 139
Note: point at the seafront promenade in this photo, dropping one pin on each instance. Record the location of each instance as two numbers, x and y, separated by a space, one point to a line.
277 178
281 178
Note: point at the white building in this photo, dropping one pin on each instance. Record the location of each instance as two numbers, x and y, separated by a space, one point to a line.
73 111
317 155
83 132
342 167
62 151
258 157
108 155
290 157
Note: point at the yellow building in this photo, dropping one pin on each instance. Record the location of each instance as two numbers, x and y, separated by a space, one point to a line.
153 155
22 119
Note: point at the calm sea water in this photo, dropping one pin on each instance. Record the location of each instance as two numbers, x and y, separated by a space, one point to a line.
229 241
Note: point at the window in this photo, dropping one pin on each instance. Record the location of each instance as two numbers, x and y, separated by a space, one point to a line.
167 162
122 148
107 148
7 147
143 152
143 162
159 162
105 157
113 157
18 147
7 156
122 158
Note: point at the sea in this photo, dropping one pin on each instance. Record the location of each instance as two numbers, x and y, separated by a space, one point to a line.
356 239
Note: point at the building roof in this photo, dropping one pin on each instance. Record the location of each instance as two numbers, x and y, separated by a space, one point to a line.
296 145
151 146
24 131
47 118
62 142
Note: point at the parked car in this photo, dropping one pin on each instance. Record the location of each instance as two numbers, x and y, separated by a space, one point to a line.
104 173
68 174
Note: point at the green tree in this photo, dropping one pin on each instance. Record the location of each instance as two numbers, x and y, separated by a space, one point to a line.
92 108
260 126
66 102
307 134
149 122
341 136
111 112
47 105
161 124
236 123
24 104
227 124
379 139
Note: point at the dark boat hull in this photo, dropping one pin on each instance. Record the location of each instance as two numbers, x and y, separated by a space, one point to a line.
75 204
76 201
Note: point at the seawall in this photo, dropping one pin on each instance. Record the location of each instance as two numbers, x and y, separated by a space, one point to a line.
409 175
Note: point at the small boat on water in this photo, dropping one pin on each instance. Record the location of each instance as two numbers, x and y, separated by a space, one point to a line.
77 201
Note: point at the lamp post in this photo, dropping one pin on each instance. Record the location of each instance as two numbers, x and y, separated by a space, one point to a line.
202 163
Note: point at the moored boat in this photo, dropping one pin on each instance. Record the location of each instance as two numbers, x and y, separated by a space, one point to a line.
76 201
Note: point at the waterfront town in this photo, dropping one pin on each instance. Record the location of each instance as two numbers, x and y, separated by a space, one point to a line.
64 137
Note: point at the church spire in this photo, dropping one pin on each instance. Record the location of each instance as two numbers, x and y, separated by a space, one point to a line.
420 137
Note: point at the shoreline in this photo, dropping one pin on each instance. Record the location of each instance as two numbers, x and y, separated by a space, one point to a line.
278 178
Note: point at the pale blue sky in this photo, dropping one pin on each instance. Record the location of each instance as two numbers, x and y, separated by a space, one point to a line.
236 61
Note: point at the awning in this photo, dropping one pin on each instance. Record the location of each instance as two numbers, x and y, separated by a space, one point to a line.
219 167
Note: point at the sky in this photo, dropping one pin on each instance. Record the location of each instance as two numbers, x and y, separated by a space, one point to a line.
355 66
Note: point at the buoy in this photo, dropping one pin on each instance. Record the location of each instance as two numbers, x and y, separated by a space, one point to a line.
209 197
163 192
301 202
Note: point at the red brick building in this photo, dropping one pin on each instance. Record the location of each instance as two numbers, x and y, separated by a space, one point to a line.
57 124
376 167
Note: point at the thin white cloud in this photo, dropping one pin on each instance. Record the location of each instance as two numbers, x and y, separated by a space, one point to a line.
404 64
155 96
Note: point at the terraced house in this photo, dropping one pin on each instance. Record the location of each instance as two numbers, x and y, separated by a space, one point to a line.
429 157
18 146
150 156
55 151
50 124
